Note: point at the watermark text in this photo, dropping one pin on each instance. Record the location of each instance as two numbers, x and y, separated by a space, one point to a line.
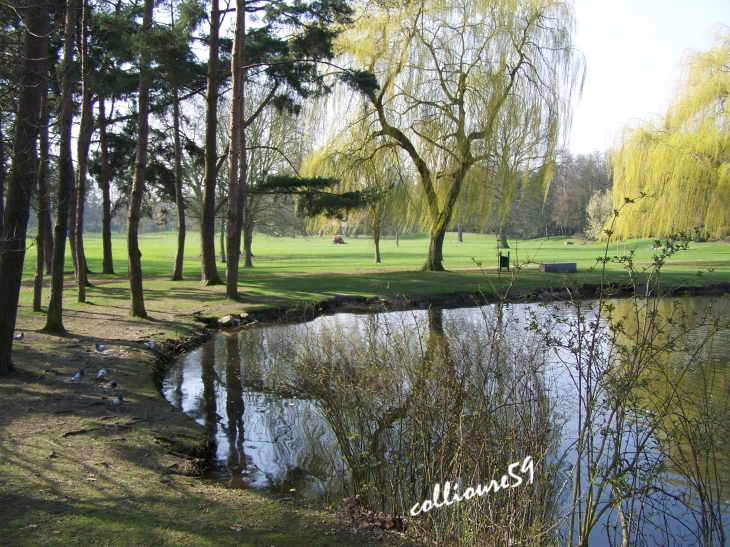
512 479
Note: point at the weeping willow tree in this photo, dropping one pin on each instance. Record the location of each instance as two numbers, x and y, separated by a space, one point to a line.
376 172
522 158
682 161
436 78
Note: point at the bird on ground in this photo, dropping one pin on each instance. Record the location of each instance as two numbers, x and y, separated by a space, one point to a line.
76 377
116 403
99 347
112 384
149 344
19 337
101 374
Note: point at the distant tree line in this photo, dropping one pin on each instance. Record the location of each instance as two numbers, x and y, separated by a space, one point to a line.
564 210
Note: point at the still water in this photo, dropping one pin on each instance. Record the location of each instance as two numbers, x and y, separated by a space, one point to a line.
270 435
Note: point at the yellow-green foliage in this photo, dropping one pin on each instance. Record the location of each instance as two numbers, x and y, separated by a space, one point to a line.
683 160
480 89
600 211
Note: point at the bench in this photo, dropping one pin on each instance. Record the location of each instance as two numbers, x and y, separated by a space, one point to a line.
558 267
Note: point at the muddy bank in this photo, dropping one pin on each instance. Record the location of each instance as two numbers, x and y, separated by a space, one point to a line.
361 304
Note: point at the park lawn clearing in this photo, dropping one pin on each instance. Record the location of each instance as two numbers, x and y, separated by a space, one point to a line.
75 471
296 271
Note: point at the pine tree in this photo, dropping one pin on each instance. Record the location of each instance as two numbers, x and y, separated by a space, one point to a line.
23 172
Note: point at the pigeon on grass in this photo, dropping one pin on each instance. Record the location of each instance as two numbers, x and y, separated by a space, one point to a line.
112 384
149 344
101 375
116 403
77 377
19 337
99 347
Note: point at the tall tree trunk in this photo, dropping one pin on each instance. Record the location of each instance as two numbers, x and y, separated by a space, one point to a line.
223 240
207 223
179 201
72 197
237 169
44 212
2 179
106 204
48 243
396 239
503 235
442 218
376 241
82 154
54 319
137 308
459 237
434 261
22 175
47 224
248 242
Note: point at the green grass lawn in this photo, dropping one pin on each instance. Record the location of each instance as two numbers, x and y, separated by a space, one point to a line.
290 271
292 255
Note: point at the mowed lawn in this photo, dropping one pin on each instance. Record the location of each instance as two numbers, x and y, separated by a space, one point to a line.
296 270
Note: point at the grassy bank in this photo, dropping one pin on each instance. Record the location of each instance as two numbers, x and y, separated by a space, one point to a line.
75 471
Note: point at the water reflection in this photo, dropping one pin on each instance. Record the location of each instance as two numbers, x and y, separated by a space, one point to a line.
263 440
390 404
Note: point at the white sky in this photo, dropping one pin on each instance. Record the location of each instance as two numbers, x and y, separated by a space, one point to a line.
633 49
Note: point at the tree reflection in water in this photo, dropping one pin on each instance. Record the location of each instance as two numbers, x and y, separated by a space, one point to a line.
386 406
236 460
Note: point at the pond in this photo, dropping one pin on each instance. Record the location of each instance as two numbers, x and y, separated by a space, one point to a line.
628 427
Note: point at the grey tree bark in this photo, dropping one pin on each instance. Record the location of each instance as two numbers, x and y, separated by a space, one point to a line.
137 308
44 209
54 318
22 174
82 154
2 179
106 205
179 201
248 241
207 223
223 240
238 167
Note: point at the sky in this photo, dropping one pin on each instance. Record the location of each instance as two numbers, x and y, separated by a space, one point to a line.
633 50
